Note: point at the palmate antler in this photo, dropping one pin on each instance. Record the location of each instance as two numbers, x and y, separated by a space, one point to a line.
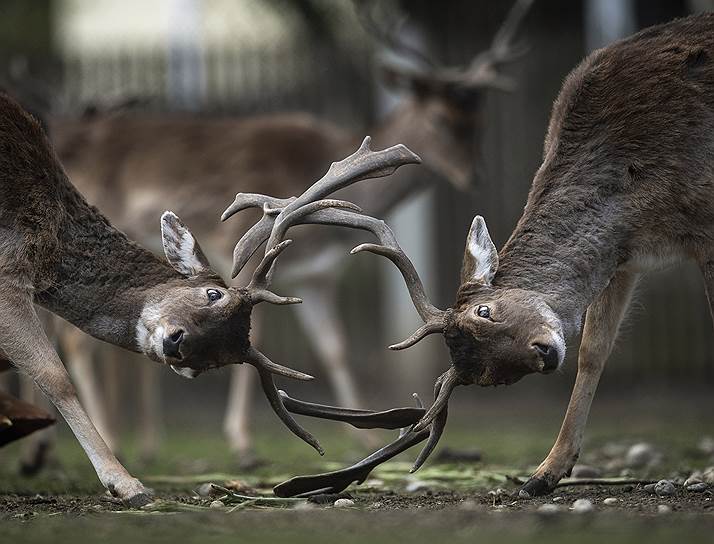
310 207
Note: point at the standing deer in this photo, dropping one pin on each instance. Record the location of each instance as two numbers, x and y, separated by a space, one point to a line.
134 166
626 186
60 253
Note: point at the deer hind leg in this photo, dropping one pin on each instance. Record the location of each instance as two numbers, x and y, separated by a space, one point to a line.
80 352
707 267
38 449
601 325
150 413
24 341
323 326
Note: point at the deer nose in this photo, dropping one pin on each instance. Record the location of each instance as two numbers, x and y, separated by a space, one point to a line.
549 355
172 342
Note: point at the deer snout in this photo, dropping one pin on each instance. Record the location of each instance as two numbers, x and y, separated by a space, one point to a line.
550 356
172 343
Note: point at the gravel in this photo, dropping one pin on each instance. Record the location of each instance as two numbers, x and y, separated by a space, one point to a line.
344 503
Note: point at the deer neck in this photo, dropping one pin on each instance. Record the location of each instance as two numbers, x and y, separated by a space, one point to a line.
102 280
567 245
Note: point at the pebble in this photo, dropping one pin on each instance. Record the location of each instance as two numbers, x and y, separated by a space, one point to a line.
664 488
610 501
698 487
582 506
695 478
206 490
417 485
640 455
548 509
663 509
217 504
557 499
706 445
585 471
344 503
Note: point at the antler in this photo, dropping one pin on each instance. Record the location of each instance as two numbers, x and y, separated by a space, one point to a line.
310 207
338 480
390 34
483 70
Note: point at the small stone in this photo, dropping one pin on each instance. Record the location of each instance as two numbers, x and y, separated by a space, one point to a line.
585 471
217 504
663 509
706 445
548 509
698 487
695 478
557 499
610 501
582 506
664 488
344 503
469 505
417 485
641 455
207 490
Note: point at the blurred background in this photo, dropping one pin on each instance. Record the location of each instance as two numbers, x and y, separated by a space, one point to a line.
233 59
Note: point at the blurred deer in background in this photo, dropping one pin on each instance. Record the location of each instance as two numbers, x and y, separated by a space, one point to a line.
134 165
626 187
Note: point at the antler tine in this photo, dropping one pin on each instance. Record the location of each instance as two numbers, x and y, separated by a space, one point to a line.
390 37
437 428
445 385
244 201
483 68
266 368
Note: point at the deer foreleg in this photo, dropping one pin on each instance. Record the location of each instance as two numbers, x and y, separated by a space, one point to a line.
24 342
602 322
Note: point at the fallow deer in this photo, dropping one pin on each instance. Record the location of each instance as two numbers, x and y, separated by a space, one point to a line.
60 253
132 166
626 186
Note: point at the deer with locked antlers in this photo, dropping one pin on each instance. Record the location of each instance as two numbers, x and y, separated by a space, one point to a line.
60 253
134 166
626 186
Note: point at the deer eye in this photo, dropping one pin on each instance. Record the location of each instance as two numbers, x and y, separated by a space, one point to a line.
484 311
214 295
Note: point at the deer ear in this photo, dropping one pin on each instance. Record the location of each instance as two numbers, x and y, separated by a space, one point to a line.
480 256
181 248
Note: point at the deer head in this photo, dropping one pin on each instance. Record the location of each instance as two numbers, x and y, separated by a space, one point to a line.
443 105
495 335
196 322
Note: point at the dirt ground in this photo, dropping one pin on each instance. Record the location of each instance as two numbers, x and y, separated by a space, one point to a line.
459 500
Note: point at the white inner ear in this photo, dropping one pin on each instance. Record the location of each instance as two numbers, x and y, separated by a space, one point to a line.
180 246
482 252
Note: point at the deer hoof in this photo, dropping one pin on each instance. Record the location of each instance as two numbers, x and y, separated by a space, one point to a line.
139 500
536 487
